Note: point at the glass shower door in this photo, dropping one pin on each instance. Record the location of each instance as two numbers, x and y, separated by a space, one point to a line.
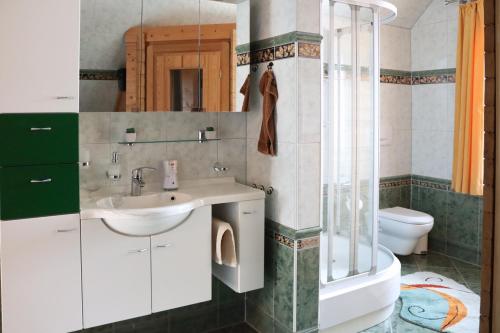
350 142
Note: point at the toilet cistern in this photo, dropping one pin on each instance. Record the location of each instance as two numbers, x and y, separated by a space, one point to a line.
138 181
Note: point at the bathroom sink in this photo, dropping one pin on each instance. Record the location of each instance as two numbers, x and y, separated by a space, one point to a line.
146 215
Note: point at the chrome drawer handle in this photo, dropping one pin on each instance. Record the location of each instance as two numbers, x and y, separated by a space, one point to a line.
163 246
66 230
138 251
38 181
35 129
248 213
65 97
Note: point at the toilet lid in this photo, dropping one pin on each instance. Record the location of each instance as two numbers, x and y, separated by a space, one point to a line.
405 215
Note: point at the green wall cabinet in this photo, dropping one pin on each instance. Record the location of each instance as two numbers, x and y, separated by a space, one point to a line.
36 191
38 139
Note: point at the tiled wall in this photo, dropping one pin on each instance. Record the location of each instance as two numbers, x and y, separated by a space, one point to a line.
457 229
395 104
289 300
433 45
100 134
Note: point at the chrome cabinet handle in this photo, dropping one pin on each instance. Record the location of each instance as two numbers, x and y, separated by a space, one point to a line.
163 246
65 97
66 230
138 251
35 129
248 213
38 181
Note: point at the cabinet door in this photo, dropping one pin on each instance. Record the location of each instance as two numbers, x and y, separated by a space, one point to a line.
41 284
40 55
181 263
116 275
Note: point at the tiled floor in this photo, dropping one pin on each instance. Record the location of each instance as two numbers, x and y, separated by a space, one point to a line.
466 274
240 328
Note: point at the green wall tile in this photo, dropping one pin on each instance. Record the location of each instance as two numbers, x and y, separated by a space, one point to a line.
462 222
307 288
258 319
435 203
415 204
283 285
405 199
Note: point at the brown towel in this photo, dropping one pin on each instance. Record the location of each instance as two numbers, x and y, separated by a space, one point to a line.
245 90
269 89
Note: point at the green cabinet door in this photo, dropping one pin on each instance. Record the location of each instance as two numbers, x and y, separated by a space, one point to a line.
36 191
37 139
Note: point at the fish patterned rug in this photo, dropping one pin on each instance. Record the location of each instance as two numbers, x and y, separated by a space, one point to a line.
439 303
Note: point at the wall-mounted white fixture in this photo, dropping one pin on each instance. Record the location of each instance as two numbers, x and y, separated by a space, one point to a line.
114 172
84 158
170 182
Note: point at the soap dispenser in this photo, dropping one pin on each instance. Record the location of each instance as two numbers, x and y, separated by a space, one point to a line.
170 182
114 169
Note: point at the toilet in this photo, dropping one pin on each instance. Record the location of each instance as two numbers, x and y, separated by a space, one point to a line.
404 231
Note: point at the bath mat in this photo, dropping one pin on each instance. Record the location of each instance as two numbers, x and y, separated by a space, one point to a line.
438 303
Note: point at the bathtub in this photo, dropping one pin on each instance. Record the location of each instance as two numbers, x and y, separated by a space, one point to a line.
356 303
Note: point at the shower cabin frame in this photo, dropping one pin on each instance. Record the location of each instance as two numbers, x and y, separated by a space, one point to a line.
376 6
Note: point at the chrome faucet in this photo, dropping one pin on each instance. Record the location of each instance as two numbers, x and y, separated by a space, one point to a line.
138 181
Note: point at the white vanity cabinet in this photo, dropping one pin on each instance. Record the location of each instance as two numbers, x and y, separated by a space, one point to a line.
125 277
116 275
247 220
181 263
40 56
41 275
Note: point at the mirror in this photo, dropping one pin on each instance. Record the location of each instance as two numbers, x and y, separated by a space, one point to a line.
162 55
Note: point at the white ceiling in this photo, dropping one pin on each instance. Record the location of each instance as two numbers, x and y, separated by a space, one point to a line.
409 11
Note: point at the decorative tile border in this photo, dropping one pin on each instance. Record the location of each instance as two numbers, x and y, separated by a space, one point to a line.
283 240
392 182
293 239
309 50
285 46
98 74
438 76
434 183
308 243
427 182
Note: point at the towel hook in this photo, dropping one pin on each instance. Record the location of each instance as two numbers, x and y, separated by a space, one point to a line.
270 66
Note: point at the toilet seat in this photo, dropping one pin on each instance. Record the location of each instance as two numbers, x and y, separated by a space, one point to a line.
407 216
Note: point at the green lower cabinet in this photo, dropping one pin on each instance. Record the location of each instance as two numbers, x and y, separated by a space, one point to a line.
38 139
36 191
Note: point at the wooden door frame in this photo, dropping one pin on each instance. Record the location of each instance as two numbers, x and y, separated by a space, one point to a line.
137 40
490 273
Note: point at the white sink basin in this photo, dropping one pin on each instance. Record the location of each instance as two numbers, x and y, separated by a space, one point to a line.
146 215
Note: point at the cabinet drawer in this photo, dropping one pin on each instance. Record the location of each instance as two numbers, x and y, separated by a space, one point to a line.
37 191
35 139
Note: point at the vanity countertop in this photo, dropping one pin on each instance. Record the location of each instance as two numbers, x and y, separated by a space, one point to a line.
206 192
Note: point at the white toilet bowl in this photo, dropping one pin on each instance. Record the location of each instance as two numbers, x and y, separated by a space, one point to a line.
400 229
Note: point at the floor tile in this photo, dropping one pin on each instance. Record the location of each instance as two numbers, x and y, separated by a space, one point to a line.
433 260
240 328
464 273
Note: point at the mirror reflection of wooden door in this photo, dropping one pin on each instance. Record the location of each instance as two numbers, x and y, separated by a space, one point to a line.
180 74
170 78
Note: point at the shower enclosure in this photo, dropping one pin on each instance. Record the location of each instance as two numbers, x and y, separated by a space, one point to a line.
350 146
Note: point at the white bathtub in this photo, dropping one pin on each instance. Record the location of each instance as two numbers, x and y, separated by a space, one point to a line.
360 302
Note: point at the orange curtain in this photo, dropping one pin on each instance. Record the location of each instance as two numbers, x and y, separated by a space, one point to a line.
469 101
